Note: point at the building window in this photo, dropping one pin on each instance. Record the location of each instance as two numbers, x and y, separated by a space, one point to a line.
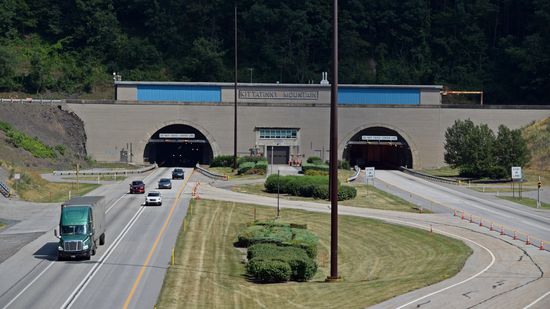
277 133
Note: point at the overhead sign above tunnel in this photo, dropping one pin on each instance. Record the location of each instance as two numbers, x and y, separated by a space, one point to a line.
176 135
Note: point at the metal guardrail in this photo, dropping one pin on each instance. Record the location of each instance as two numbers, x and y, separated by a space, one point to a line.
357 172
429 177
30 100
208 173
4 190
106 172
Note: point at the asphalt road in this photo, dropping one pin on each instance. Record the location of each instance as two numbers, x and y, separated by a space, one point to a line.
128 270
487 208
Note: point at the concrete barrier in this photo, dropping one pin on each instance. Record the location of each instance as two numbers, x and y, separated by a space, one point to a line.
357 172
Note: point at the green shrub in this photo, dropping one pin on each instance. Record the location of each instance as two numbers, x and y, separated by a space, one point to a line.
264 234
269 271
245 167
314 160
302 265
317 167
222 161
346 193
321 192
261 166
32 145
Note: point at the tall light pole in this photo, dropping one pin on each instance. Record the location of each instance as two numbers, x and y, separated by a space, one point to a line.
235 120
333 179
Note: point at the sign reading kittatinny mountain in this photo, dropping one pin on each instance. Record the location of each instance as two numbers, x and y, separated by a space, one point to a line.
272 94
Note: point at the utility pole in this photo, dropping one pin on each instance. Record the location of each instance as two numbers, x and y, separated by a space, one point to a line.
333 179
236 76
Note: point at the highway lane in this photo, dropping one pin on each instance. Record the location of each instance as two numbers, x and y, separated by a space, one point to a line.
512 216
39 281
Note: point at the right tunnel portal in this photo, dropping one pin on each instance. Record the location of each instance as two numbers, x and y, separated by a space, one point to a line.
378 147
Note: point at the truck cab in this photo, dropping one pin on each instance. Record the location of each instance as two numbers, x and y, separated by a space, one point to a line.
81 227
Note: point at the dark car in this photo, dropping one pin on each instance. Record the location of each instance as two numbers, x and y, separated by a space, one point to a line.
137 186
178 173
165 183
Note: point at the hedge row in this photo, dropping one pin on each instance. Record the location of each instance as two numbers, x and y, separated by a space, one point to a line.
319 166
307 186
283 235
266 263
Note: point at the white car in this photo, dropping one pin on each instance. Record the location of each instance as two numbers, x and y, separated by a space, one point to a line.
153 198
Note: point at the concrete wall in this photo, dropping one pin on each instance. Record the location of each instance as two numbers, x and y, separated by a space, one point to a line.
110 127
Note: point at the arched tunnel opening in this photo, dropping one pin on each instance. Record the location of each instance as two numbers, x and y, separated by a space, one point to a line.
378 147
178 145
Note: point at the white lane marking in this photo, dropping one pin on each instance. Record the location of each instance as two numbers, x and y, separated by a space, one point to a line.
52 262
28 285
537 300
82 285
535 225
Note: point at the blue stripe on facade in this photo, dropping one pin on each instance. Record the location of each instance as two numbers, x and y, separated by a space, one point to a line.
354 95
179 93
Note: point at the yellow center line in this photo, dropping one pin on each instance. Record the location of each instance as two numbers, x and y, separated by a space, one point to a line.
144 266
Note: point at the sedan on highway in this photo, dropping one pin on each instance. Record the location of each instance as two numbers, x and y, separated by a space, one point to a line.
137 186
153 198
165 183
178 173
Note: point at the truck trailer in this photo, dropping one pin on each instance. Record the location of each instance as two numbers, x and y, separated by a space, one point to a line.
81 227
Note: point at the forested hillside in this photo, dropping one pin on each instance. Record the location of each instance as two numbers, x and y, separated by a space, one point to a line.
72 47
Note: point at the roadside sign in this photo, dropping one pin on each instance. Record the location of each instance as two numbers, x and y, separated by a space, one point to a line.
16 176
516 173
369 172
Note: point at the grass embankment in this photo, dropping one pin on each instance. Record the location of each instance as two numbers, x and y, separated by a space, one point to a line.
367 197
526 202
2 225
101 178
376 260
33 188
228 171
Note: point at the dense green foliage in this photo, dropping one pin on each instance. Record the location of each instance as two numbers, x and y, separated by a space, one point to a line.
252 165
476 152
306 186
279 234
33 145
302 266
498 46
269 271
222 161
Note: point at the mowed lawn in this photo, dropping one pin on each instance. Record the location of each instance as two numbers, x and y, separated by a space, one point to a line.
376 260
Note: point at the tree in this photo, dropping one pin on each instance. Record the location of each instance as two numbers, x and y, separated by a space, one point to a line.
475 151
510 150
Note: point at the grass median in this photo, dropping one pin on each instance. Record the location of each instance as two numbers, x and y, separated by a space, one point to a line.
367 197
529 202
376 260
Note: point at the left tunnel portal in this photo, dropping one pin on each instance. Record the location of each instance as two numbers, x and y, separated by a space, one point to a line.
178 145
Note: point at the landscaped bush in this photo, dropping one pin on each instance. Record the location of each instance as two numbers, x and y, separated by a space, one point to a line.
222 161
269 271
346 193
302 265
245 167
290 184
261 166
316 167
314 160
281 234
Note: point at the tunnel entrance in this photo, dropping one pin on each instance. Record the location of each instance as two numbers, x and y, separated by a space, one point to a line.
378 147
178 145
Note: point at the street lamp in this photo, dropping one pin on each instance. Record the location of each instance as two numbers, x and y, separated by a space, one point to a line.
235 90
